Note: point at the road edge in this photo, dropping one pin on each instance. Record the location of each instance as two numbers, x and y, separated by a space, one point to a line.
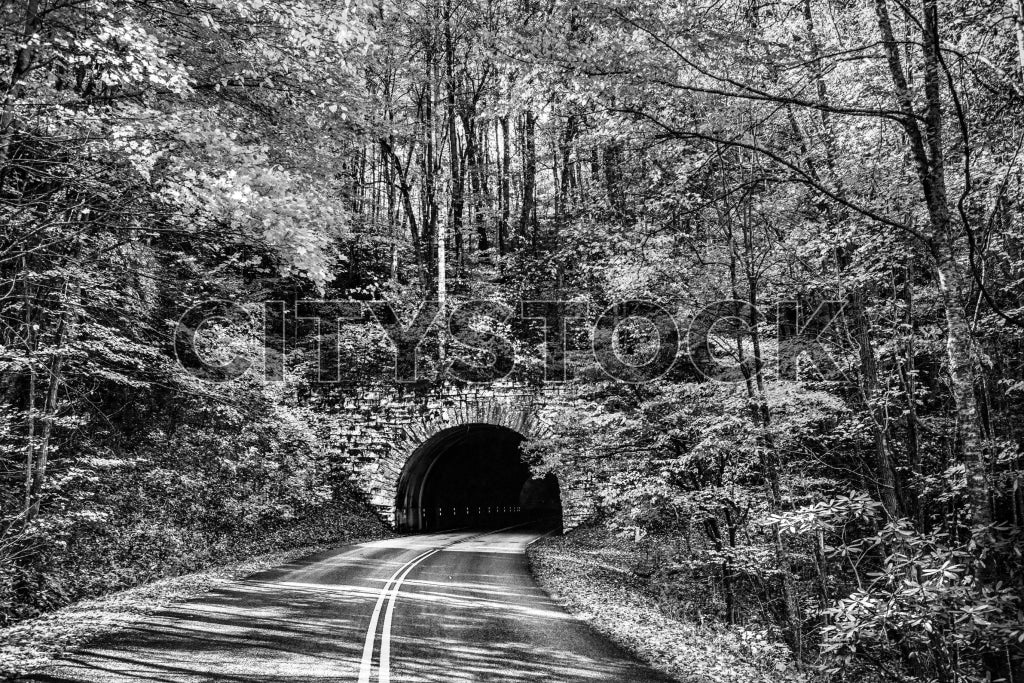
618 610
32 644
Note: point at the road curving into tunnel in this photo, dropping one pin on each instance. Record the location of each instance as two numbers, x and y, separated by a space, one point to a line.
448 606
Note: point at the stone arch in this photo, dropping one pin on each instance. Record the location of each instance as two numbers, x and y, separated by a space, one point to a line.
516 413
376 429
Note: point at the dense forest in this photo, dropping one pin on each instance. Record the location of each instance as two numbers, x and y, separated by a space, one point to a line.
827 196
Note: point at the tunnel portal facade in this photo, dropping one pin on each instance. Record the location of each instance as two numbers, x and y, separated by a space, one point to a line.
453 457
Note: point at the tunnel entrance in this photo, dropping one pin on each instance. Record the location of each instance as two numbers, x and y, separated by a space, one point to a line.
473 476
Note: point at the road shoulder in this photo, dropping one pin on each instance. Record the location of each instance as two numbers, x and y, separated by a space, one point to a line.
33 643
587 576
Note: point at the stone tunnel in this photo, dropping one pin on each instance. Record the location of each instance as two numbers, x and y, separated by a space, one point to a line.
452 457
473 475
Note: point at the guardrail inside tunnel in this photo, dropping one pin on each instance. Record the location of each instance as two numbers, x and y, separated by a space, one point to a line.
474 516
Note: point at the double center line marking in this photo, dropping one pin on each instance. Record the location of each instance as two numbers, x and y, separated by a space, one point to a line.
389 594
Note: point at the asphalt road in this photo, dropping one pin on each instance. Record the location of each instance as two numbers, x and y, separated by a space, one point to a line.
452 606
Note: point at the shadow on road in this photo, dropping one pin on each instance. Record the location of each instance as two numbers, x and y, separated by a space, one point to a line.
468 613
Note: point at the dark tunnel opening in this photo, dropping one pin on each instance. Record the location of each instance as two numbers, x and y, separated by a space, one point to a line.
473 476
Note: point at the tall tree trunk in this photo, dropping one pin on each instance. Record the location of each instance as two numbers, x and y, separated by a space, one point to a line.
713 530
485 202
753 375
22 65
772 466
908 376
49 413
375 186
855 311
568 177
473 162
964 370
428 196
389 176
30 412
48 417
488 201
613 177
506 184
528 213
859 325
927 152
457 179
358 180
1019 22
454 148
403 183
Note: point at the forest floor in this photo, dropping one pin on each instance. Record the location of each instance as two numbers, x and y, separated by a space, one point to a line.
589 572
32 643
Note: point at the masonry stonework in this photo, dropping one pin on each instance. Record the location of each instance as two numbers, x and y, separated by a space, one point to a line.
375 431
